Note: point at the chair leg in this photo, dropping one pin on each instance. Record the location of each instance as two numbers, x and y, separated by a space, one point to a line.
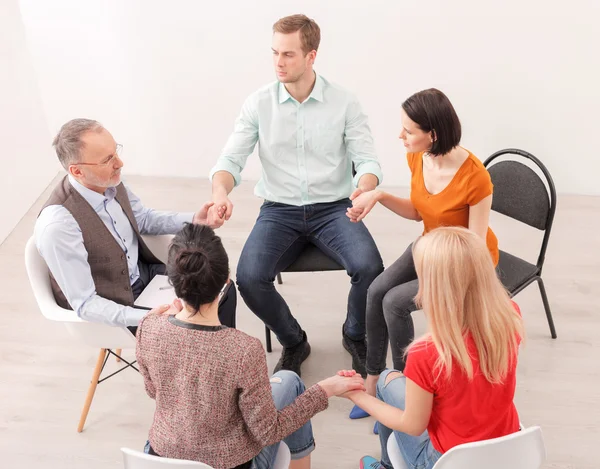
118 353
268 339
279 281
92 388
547 307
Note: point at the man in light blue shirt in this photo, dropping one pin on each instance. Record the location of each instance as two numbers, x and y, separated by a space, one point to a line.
310 134
89 231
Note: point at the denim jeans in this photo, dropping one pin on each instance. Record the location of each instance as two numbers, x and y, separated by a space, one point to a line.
418 452
286 386
280 234
390 302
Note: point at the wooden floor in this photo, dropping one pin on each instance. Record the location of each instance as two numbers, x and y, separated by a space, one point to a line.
44 374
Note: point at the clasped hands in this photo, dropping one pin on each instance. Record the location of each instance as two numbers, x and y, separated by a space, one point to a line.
214 213
362 203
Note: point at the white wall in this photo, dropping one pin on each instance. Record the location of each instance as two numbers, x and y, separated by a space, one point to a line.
168 78
25 152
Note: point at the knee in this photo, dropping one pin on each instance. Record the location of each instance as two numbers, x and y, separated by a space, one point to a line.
370 270
385 378
248 276
397 303
286 386
286 376
391 376
377 290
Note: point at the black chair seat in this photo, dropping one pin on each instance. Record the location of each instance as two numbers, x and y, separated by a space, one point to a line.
312 259
514 272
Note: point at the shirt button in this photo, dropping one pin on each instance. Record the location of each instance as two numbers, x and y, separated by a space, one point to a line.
123 256
123 272
126 288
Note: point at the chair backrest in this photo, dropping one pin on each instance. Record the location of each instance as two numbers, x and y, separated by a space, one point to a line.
521 450
39 278
521 194
159 245
92 334
137 460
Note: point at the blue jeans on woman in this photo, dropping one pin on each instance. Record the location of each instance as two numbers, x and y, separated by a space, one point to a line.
418 451
280 234
286 386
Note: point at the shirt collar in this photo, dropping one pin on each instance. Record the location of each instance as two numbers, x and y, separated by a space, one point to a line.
93 198
316 93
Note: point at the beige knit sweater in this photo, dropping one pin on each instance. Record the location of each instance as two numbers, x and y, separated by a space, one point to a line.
212 392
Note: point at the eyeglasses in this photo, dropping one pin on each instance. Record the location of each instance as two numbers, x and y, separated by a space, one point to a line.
111 158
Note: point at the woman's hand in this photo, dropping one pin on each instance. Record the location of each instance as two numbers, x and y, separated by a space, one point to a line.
362 204
338 384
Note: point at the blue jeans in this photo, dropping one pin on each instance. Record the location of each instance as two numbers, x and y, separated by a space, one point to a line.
279 236
418 451
286 386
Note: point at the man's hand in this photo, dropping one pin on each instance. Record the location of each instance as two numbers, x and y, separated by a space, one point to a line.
201 216
223 206
168 310
213 218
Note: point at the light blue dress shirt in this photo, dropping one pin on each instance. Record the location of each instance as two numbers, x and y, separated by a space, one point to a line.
59 240
306 149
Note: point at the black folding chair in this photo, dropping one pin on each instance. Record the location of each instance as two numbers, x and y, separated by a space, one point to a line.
521 194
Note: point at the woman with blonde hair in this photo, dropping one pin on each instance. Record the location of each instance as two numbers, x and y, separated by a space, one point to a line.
459 381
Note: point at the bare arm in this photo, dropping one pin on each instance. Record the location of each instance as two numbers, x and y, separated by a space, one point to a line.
479 216
412 421
363 203
368 182
223 183
399 206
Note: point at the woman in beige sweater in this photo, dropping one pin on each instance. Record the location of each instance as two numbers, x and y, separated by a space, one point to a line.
215 402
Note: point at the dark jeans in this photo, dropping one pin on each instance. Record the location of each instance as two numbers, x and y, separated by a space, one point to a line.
280 234
227 304
390 302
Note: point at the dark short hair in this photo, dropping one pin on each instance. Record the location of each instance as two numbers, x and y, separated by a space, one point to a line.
198 266
433 112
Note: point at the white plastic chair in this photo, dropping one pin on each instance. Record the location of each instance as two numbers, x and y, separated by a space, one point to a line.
521 450
137 460
100 336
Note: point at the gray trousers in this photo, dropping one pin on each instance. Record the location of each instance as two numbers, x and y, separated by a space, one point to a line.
390 302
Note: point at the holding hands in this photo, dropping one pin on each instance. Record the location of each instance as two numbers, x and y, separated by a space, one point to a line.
362 204
340 384
215 213
221 210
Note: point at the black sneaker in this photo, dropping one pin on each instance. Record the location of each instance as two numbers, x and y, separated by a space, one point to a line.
292 357
358 350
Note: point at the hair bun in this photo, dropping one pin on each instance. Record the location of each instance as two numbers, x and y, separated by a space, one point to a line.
191 262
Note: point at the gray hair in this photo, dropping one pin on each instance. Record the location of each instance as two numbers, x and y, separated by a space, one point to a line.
68 142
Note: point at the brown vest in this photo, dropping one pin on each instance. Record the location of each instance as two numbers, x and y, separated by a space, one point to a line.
106 257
